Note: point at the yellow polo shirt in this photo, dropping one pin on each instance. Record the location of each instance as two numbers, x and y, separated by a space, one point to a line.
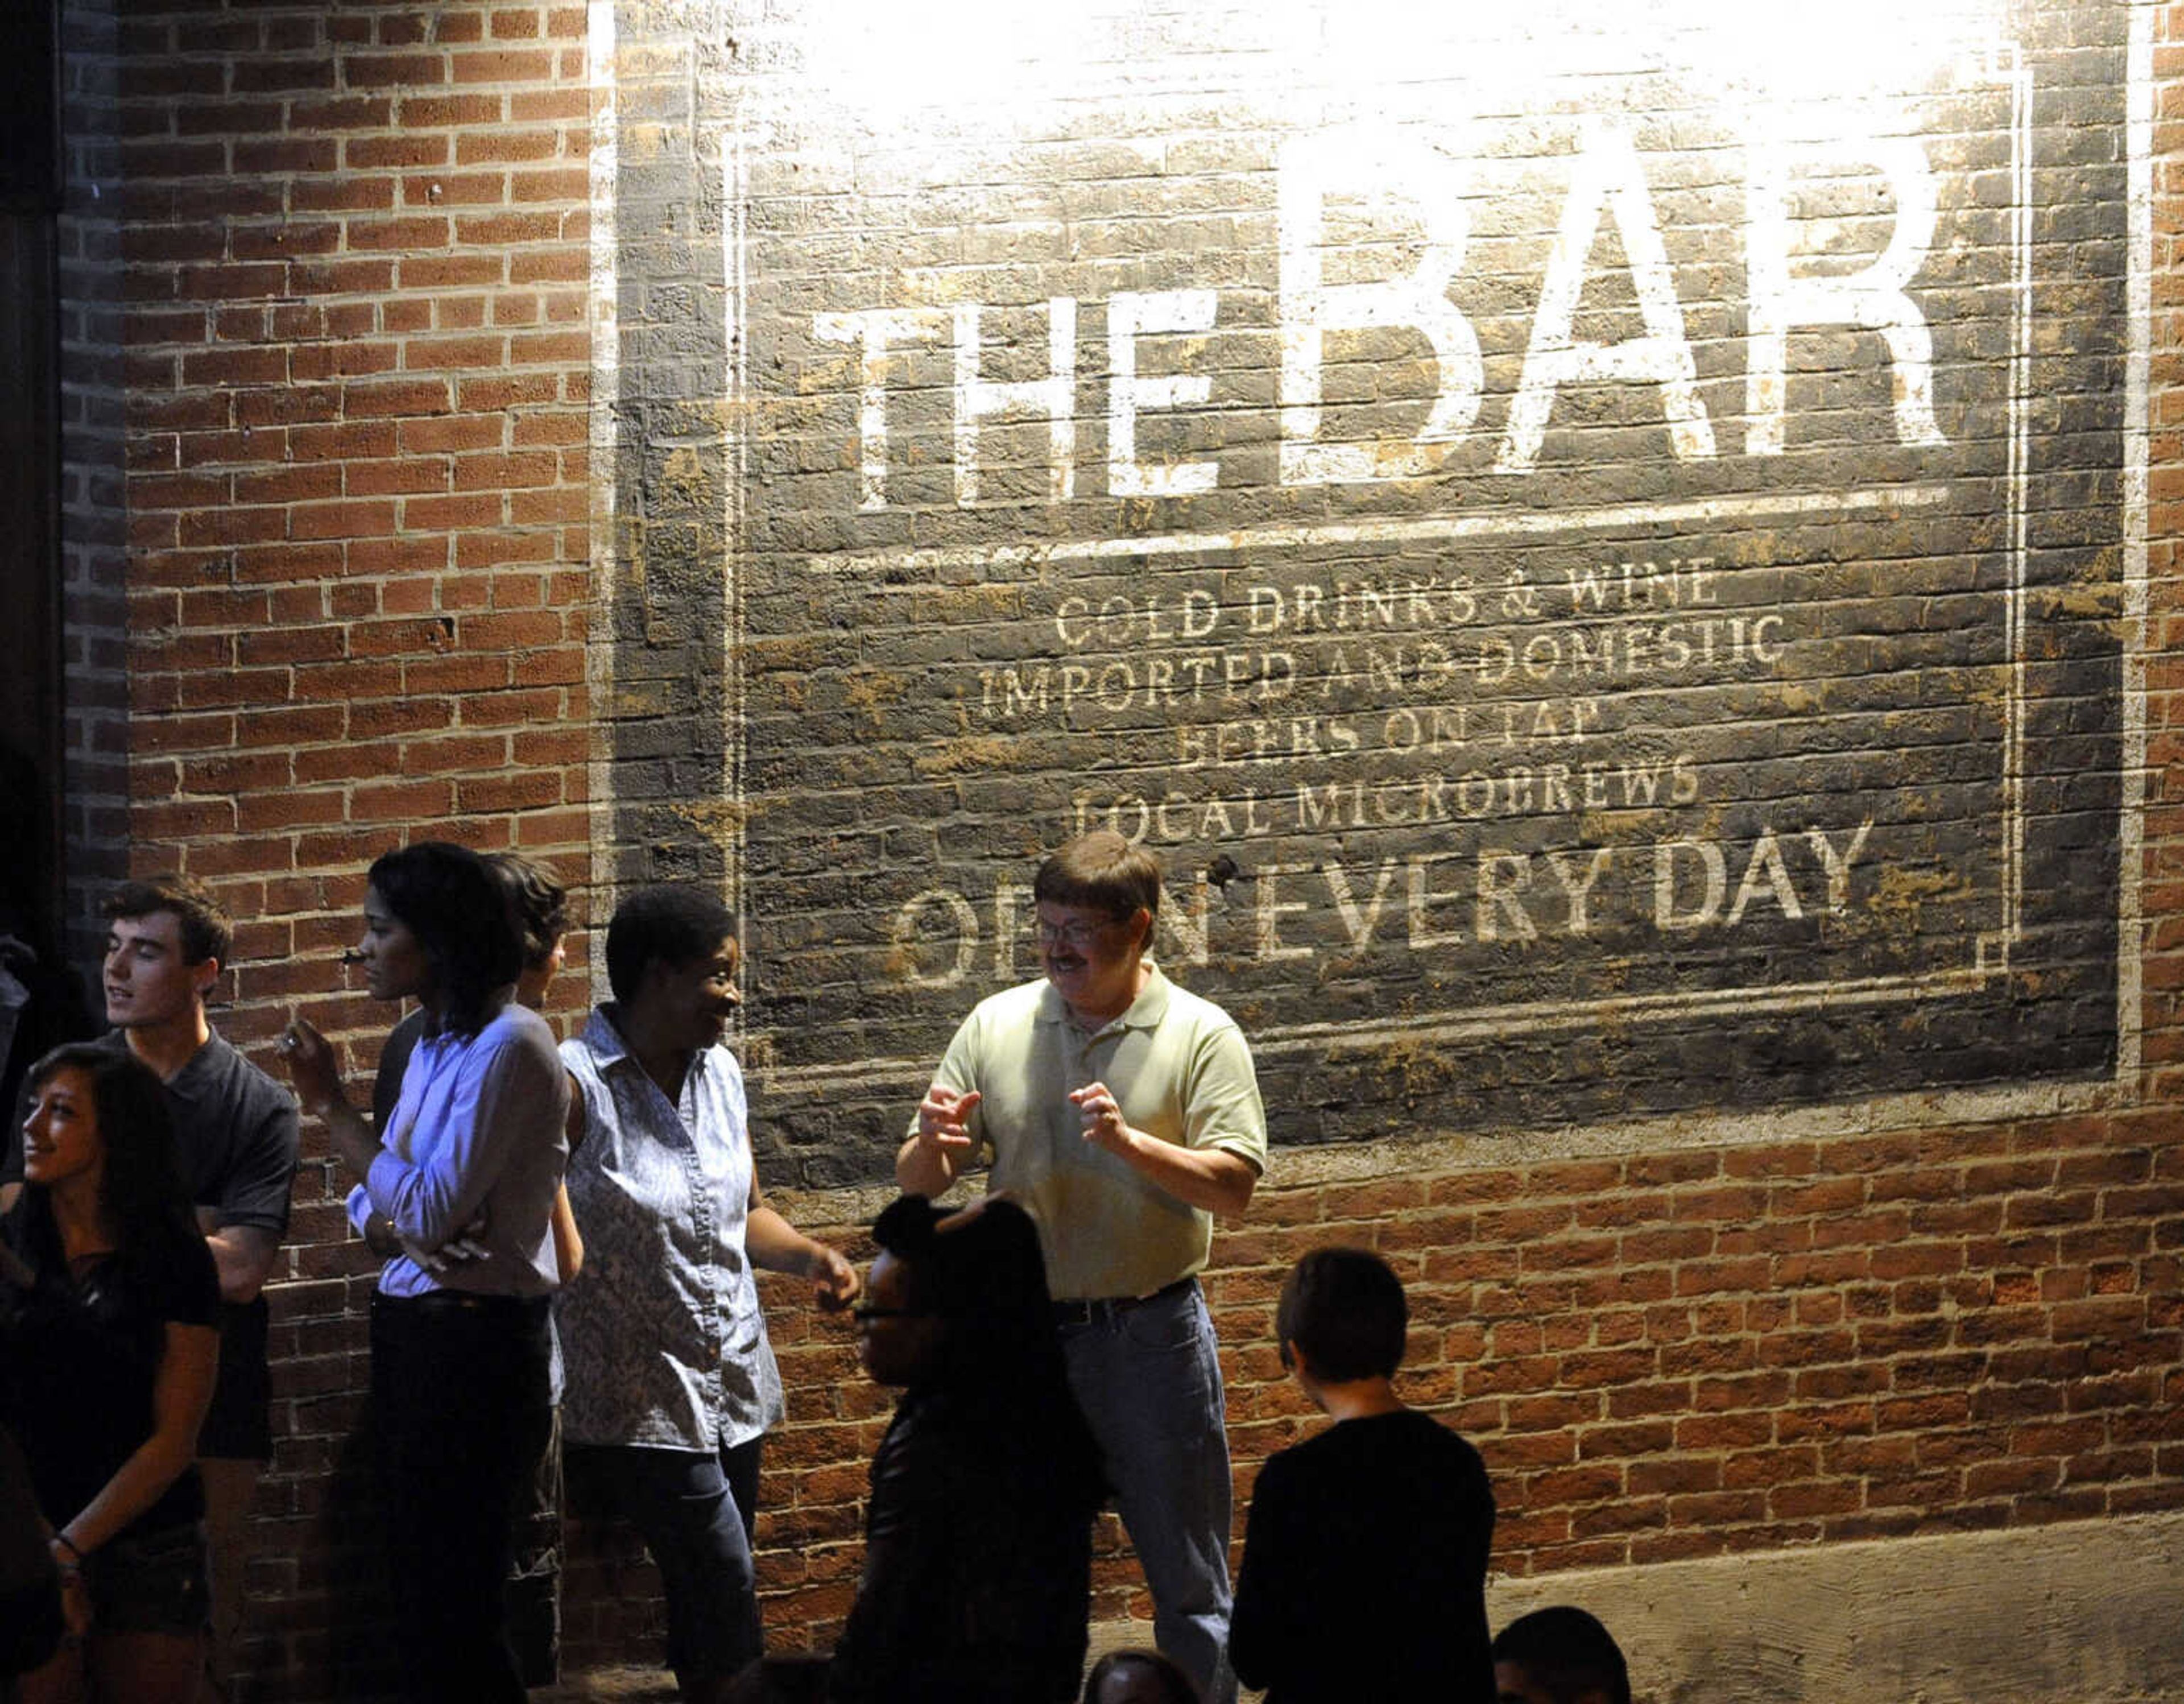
1179 1067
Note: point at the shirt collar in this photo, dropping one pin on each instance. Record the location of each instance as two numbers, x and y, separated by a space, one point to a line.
603 1037
609 1047
1144 1012
195 1078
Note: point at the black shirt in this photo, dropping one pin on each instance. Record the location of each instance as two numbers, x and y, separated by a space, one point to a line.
79 1360
977 1569
1364 1571
235 1142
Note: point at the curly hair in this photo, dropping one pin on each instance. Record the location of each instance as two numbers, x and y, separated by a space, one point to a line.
673 923
541 905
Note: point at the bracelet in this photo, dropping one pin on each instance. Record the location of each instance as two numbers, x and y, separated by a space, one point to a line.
68 1544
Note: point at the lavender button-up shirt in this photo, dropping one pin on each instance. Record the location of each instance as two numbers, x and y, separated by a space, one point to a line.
662 1337
479 1128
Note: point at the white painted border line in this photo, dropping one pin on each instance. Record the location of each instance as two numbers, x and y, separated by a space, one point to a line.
2137 632
735 336
603 309
1885 500
2013 69
1485 1022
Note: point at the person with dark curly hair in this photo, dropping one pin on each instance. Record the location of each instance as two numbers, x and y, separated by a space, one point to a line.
1133 1676
672 1385
109 1340
460 1355
1559 1654
978 1530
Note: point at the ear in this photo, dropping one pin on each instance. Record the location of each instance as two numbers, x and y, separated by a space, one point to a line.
1141 929
204 976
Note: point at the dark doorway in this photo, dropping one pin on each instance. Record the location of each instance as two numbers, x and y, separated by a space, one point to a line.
31 697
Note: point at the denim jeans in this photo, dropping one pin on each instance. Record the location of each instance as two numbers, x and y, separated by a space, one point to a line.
696 1513
1149 1381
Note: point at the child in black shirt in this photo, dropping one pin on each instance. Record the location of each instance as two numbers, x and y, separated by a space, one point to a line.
1365 1551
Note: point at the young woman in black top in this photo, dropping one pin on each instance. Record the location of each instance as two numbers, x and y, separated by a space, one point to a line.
108 1344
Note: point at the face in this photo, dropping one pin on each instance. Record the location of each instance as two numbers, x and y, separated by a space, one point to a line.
692 1004
60 1138
147 983
895 1342
532 985
1513 1685
1131 1683
1091 958
395 967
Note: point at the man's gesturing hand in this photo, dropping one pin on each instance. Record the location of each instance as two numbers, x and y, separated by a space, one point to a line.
943 1120
1105 1126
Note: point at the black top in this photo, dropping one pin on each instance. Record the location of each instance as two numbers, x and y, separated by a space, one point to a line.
79 1359
976 1581
235 1142
1364 1569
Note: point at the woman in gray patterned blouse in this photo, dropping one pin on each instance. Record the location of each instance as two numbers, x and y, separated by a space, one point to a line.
671 1382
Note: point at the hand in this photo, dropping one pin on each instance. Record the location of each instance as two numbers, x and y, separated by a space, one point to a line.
312 1065
1105 1126
379 1236
466 1245
943 1120
834 1281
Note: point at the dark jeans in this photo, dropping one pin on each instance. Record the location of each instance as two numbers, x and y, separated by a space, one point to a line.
534 1579
697 1514
460 1412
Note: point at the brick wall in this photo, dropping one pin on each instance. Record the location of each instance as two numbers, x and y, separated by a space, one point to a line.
365 601
93 547
354 249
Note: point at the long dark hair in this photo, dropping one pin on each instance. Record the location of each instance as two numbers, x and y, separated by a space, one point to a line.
141 1195
463 916
982 1271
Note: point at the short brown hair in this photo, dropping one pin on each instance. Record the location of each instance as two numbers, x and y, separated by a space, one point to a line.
1103 870
206 932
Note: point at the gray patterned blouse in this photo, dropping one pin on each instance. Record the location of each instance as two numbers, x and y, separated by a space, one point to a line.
661 1334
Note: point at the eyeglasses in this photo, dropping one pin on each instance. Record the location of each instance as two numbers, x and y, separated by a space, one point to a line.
1076 934
862 1313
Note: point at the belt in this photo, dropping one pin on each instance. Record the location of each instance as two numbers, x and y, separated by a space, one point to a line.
1087 1310
447 1301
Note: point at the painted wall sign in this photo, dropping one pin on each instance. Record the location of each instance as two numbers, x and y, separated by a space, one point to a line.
1593 555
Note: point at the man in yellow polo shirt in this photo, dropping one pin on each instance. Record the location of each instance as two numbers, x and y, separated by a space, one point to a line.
1125 1113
